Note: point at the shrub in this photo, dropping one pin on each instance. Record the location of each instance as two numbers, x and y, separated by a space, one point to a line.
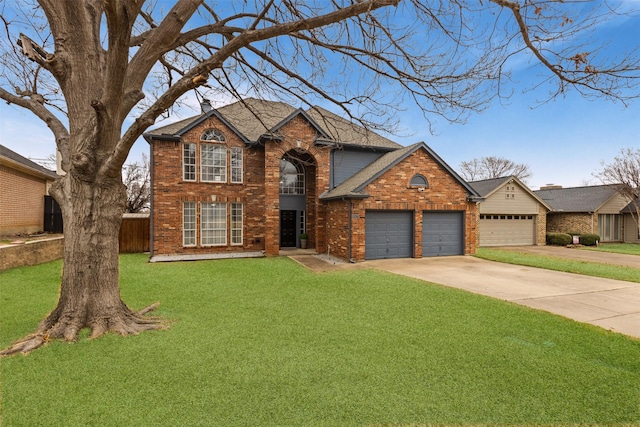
559 239
589 239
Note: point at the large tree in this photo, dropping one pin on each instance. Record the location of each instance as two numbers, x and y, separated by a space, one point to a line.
493 167
100 72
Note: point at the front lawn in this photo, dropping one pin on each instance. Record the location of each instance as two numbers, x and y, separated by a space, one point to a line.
619 248
264 342
606 271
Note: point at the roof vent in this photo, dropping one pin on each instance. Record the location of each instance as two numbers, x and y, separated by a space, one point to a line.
205 105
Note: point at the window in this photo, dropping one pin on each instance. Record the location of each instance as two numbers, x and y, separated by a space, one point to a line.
213 230
189 162
510 192
236 223
303 222
189 223
236 164
213 163
212 135
609 227
291 177
419 181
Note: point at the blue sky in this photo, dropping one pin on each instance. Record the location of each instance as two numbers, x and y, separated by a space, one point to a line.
563 141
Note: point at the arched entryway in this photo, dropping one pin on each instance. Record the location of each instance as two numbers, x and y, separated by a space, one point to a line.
297 192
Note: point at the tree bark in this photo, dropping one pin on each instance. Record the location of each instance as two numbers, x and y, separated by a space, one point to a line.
90 290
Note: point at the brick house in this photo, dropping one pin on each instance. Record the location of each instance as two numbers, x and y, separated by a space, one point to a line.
591 209
23 187
249 178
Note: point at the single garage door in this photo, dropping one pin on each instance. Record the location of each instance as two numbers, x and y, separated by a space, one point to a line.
388 234
507 230
442 234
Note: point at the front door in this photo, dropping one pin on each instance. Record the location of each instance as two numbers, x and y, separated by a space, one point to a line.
287 229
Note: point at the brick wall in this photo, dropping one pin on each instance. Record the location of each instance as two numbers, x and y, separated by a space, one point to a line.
31 253
541 226
170 191
392 191
572 223
21 202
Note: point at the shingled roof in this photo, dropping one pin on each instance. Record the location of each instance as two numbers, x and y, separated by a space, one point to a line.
355 185
20 161
254 119
487 187
577 199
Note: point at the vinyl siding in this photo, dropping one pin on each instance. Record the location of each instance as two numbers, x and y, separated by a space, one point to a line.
521 203
346 163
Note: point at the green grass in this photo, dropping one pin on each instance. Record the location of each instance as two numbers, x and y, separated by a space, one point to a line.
619 248
265 342
606 271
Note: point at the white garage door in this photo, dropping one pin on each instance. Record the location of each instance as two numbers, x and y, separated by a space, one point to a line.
507 230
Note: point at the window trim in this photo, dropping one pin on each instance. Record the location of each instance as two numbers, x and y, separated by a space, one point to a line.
237 167
213 135
192 206
194 164
236 215
221 152
419 176
204 206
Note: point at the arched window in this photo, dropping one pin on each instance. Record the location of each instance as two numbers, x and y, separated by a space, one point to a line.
419 181
291 177
212 135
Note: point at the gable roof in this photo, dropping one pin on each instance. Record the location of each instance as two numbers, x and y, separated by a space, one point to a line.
16 160
254 120
577 199
487 187
355 185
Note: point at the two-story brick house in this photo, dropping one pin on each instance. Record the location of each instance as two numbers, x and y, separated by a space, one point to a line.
250 177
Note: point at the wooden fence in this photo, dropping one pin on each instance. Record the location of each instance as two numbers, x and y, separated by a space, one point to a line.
134 233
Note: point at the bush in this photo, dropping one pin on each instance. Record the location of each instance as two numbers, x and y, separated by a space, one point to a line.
559 239
589 239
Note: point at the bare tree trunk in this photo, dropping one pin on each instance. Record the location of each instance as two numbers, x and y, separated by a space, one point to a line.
90 291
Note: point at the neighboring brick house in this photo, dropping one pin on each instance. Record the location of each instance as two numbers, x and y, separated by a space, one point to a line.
23 187
591 209
249 178
510 214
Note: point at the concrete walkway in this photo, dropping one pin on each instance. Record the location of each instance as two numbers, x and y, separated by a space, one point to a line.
610 304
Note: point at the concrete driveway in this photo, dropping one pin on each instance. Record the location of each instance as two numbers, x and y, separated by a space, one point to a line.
610 304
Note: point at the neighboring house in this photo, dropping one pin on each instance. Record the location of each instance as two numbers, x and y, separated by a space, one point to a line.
23 187
631 232
249 178
510 214
592 209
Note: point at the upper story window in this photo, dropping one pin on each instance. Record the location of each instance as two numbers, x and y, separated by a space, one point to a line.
510 192
189 162
419 181
213 163
291 177
212 135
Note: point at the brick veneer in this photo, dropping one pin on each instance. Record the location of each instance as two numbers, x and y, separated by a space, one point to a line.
392 191
22 207
328 223
573 222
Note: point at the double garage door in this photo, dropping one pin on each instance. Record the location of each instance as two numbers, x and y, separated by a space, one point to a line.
389 234
507 230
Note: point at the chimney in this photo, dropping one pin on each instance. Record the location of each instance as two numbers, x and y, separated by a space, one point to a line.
551 187
205 105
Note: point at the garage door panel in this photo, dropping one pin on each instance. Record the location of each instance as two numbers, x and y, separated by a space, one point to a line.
388 234
507 230
442 234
